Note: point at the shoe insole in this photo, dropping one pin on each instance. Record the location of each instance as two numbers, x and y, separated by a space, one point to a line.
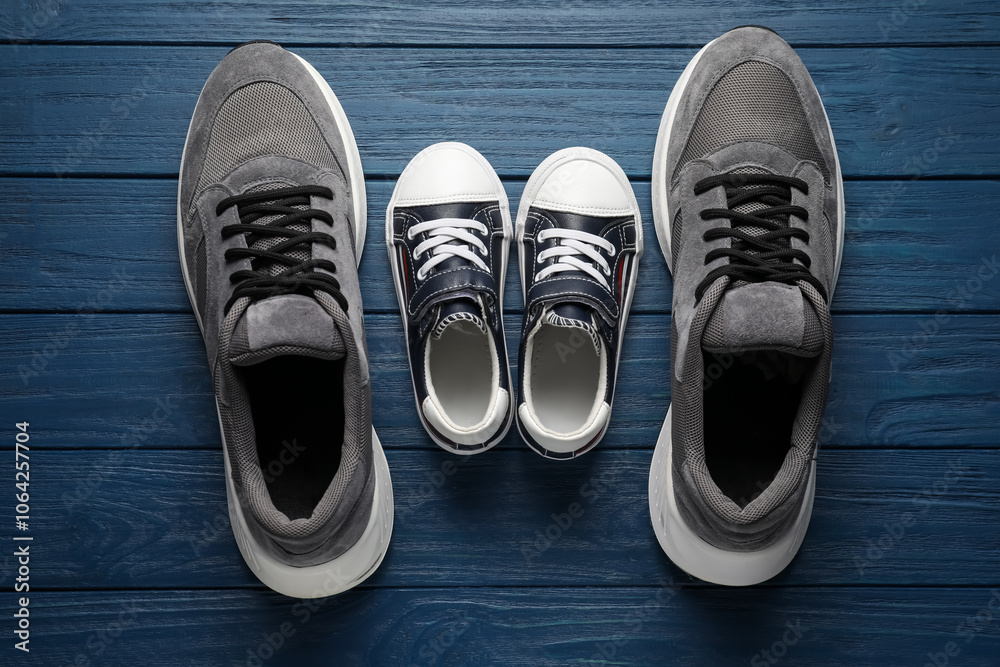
297 405
564 375
748 427
461 373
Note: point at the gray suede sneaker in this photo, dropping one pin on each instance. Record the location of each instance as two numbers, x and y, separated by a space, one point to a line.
748 206
270 223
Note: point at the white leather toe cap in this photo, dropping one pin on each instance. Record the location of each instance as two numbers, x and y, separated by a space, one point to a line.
446 172
584 186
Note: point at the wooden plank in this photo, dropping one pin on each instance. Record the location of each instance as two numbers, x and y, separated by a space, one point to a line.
519 22
622 626
108 380
111 244
158 519
125 110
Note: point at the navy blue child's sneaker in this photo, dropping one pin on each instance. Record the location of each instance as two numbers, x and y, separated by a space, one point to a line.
448 232
579 243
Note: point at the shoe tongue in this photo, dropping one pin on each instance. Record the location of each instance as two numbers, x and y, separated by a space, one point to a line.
573 316
301 253
457 312
764 316
288 324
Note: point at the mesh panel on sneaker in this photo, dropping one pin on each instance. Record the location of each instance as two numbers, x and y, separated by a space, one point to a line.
267 242
753 206
812 332
814 398
754 101
200 276
249 358
687 404
675 238
715 332
262 118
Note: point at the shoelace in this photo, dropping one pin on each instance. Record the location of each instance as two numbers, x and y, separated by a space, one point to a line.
761 257
448 237
575 244
300 276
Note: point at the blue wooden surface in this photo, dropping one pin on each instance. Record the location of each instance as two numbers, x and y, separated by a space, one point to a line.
61 116
134 562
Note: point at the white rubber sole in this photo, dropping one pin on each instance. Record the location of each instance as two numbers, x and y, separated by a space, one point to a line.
397 280
700 559
528 197
363 558
681 544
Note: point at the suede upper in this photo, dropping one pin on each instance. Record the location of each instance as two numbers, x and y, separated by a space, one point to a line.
240 142
765 118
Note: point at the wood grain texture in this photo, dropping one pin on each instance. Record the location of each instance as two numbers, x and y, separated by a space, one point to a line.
633 626
158 519
110 244
142 380
126 109
519 22
134 562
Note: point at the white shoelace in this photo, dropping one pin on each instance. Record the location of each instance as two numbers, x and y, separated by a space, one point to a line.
448 237
576 243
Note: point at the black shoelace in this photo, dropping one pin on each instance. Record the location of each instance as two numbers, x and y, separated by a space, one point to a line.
757 257
299 276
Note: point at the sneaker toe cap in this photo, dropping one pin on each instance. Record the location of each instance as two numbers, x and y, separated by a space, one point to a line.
449 172
584 186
